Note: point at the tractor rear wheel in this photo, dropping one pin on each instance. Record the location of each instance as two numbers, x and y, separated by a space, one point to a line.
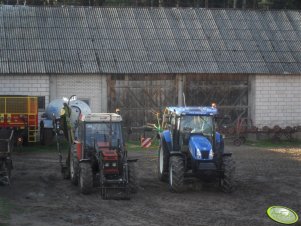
176 174
163 159
74 165
133 185
227 181
5 172
85 177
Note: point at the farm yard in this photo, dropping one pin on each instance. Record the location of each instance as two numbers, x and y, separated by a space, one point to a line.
38 196
246 63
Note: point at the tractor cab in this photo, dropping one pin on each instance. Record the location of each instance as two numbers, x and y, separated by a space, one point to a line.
192 130
102 134
100 140
193 126
99 158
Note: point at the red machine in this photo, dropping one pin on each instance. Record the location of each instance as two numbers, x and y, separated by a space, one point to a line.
20 113
97 157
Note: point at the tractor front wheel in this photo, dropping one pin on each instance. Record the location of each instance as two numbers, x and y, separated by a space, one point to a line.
85 177
163 158
227 181
176 174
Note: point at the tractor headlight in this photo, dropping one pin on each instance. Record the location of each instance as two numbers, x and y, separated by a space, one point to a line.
198 154
107 164
114 164
211 154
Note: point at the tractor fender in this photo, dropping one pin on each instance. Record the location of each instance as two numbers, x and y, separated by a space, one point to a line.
166 136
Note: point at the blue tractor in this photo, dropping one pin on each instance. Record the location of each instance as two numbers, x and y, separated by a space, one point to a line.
190 145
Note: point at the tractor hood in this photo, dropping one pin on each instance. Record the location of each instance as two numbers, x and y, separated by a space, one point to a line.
200 147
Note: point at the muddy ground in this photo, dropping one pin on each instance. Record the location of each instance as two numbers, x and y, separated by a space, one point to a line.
39 196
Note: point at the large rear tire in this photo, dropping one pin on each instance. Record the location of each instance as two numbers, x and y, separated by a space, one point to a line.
85 177
74 168
176 174
227 181
163 161
133 183
5 172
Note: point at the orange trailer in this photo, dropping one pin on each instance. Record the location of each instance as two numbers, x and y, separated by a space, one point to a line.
20 113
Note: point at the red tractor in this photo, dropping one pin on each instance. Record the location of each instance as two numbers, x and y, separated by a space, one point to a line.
98 157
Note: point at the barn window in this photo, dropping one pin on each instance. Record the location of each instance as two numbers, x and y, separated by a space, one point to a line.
41 102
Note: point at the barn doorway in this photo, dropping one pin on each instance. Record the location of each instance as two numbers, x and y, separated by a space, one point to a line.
138 96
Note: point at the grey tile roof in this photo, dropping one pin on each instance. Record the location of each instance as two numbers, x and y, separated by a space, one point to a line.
148 40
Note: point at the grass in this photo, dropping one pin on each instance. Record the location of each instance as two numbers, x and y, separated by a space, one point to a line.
270 143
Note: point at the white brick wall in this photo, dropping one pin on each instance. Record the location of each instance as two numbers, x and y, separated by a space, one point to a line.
276 100
29 85
92 87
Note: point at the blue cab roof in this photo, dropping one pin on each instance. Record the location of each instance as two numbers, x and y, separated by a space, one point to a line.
193 110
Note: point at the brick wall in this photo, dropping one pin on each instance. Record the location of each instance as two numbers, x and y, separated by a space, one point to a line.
30 85
90 87
275 100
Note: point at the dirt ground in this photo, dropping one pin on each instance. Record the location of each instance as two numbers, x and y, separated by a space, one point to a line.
39 196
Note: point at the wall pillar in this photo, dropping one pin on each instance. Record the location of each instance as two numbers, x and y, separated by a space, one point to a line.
180 79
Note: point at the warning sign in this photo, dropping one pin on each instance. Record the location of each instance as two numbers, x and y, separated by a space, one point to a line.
146 142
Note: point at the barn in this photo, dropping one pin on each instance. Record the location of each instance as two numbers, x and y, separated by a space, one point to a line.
142 59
